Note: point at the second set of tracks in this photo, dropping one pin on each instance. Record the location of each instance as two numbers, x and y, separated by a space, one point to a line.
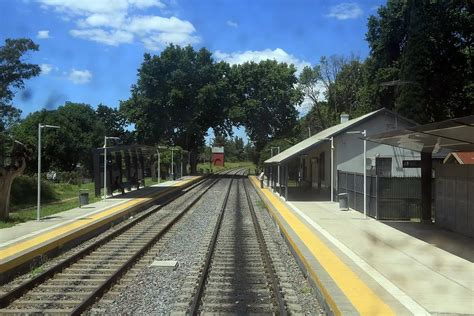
237 273
74 284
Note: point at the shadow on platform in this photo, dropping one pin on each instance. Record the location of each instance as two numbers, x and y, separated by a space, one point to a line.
307 194
451 242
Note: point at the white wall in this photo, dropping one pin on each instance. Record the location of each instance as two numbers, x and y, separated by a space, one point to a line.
349 147
348 151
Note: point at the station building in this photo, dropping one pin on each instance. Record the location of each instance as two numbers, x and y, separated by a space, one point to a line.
312 161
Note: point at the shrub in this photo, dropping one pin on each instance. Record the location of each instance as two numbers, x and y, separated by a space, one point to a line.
24 191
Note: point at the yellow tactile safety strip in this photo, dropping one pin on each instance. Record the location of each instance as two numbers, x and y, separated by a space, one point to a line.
38 245
359 294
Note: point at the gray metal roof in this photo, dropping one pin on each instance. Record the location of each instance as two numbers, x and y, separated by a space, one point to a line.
454 135
318 138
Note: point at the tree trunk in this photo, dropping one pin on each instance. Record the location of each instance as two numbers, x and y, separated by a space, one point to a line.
7 175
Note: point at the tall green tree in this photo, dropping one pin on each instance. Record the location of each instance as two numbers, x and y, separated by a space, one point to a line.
267 96
13 72
178 96
421 58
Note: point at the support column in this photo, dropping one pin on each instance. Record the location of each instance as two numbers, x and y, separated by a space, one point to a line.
285 168
426 167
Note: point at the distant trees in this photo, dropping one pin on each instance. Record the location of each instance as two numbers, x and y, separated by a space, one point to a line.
81 130
182 93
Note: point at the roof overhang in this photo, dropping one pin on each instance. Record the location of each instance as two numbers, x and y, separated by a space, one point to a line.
453 135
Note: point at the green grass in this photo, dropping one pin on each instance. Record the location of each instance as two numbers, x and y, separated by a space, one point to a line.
228 165
66 198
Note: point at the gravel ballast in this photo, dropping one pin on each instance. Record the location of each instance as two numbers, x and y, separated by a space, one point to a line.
154 290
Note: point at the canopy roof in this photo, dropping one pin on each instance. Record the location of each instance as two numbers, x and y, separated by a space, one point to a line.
313 141
454 134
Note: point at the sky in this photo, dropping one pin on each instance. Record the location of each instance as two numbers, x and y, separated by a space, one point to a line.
90 50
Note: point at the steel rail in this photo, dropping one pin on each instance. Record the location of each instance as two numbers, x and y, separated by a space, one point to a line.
20 290
280 302
194 308
100 290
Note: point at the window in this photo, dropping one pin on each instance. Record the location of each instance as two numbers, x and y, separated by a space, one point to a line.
383 167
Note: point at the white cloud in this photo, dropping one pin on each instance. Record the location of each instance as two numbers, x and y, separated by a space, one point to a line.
43 34
85 7
277 54
115 22
113 38
80 76
345 11
45 68
149 24
232 24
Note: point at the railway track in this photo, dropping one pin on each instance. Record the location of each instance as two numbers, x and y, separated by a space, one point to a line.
74 284
237 275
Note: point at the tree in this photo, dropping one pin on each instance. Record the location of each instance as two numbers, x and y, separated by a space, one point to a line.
179 95
421 59
114 123
267 93
13 72
8 173
64 148
308 82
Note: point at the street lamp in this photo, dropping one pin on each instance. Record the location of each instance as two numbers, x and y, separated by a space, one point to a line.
105 163
172 162
278 168
38 206
363 133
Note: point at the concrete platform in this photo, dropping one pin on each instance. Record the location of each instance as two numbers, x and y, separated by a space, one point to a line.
22 243
363 266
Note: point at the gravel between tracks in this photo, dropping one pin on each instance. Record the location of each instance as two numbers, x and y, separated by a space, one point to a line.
306 296
154 291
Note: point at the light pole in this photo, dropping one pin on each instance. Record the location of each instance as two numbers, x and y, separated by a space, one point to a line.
172 162
364 133
105 163
278 167
38 206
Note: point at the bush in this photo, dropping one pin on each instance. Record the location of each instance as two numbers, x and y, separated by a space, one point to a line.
24 191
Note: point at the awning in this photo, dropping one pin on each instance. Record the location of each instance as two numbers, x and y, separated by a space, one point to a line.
454 135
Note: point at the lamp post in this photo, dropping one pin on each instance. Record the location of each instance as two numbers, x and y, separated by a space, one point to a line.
105 163
38 206
172 162
278 167
363 133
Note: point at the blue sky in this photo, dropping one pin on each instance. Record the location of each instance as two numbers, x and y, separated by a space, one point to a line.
90 50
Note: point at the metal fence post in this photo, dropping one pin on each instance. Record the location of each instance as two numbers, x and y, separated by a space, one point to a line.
376 197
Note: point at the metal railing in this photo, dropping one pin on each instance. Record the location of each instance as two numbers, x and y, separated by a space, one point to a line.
387 197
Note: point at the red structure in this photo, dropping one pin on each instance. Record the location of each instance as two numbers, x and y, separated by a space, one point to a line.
217 156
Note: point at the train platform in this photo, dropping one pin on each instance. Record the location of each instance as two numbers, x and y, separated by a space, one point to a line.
21 244
363 266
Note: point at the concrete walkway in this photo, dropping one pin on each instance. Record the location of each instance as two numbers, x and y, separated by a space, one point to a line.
434 279
404 264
